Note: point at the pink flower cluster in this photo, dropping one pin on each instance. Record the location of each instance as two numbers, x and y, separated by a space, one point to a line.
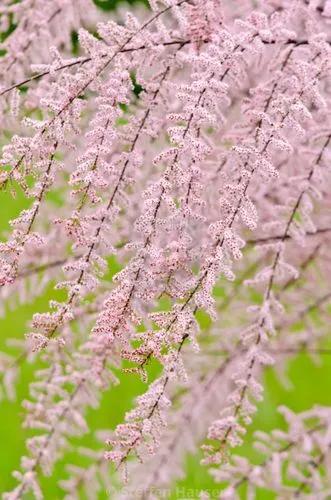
189 147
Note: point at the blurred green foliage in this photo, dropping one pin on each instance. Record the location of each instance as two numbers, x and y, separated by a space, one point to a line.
112 4
309 386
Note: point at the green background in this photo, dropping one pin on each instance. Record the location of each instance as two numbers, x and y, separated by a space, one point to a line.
310 385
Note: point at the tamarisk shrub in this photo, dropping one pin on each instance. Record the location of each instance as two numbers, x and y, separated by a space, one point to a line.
188 146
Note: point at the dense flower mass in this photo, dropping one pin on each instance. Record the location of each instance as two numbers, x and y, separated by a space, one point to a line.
174 163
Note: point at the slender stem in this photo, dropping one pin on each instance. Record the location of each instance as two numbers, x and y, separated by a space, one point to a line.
278 237
84 60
